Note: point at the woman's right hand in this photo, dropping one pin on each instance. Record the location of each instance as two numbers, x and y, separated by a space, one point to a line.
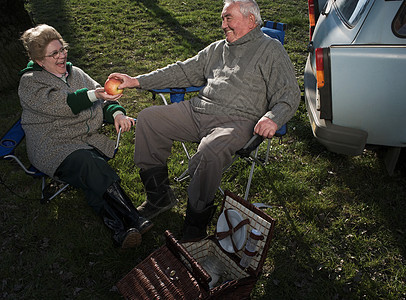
101 94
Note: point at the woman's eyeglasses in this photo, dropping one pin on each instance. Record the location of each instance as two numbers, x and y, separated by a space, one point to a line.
57 53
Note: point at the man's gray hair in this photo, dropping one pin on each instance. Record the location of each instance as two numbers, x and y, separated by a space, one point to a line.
247 7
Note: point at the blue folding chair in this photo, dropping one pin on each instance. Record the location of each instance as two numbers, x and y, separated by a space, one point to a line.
275 30
250 150
8 144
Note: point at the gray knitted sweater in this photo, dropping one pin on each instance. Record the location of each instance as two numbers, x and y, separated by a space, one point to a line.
251 77
58 118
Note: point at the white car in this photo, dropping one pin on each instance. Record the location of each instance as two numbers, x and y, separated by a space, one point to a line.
355 75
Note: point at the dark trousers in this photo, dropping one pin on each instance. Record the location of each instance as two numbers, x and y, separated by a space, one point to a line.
88 170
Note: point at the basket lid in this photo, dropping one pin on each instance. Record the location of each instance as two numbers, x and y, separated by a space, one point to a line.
256 219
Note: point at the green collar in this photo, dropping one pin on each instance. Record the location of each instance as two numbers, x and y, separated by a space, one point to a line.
33 66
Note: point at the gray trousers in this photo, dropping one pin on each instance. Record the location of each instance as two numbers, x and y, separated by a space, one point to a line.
219 137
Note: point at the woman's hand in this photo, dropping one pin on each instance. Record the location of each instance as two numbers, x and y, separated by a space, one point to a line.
101 94
123 122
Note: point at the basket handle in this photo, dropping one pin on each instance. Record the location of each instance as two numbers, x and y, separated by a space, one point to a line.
177 249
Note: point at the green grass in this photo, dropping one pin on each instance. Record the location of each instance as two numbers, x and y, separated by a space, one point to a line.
340 230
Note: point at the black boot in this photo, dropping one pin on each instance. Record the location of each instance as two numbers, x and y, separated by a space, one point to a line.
160 196
195 224
122 237
118 199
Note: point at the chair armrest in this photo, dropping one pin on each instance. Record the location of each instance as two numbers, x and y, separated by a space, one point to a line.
11 139
176 94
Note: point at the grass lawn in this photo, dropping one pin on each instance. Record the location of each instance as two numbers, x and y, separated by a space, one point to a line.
340 231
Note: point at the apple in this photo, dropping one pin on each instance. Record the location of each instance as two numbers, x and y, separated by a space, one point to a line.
111 86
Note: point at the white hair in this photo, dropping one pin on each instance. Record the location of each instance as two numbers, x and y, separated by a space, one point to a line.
247 7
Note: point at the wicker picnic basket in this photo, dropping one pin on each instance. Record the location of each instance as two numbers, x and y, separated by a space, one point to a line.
176 270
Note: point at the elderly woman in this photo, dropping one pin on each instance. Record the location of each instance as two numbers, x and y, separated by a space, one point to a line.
63 110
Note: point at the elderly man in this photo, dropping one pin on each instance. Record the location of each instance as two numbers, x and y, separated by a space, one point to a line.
249 88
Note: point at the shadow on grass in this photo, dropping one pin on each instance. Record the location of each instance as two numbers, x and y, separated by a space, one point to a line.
173 26
366 203
296 273
370 184
56 15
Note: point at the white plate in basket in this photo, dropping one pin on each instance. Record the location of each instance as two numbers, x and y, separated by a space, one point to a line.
239 237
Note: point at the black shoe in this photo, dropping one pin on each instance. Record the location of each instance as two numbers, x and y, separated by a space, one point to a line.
193 233
131 239
118 199
196 222
122 237
143 225
160 196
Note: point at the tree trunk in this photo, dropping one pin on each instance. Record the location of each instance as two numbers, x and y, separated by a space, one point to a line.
14 20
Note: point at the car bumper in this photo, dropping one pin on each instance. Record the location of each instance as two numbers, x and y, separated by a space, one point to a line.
338 139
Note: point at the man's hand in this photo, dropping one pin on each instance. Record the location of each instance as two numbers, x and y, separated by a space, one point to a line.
127 81
265 128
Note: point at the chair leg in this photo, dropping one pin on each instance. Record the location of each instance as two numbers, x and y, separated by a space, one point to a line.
183 176
44 197
43 200
58 192
268 148
247 189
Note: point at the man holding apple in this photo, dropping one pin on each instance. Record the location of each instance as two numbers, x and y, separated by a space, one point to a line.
249 87
63 110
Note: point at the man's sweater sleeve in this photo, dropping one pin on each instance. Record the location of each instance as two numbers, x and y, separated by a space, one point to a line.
181 74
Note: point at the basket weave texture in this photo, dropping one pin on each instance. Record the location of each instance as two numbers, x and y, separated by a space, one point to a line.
161 276
174 271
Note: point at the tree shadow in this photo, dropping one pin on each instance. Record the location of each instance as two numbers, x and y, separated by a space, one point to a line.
57 15
173 26
54 15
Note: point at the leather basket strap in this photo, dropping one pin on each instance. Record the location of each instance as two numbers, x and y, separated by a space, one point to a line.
231 230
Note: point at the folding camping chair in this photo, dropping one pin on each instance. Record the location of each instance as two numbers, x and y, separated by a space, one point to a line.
8 144
250 150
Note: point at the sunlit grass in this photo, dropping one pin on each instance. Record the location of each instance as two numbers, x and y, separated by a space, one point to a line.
340 232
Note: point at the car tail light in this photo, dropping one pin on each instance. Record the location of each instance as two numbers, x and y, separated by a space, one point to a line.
323 76
312 18
320 67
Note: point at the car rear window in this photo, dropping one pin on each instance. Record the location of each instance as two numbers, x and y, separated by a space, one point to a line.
399 22
351 10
